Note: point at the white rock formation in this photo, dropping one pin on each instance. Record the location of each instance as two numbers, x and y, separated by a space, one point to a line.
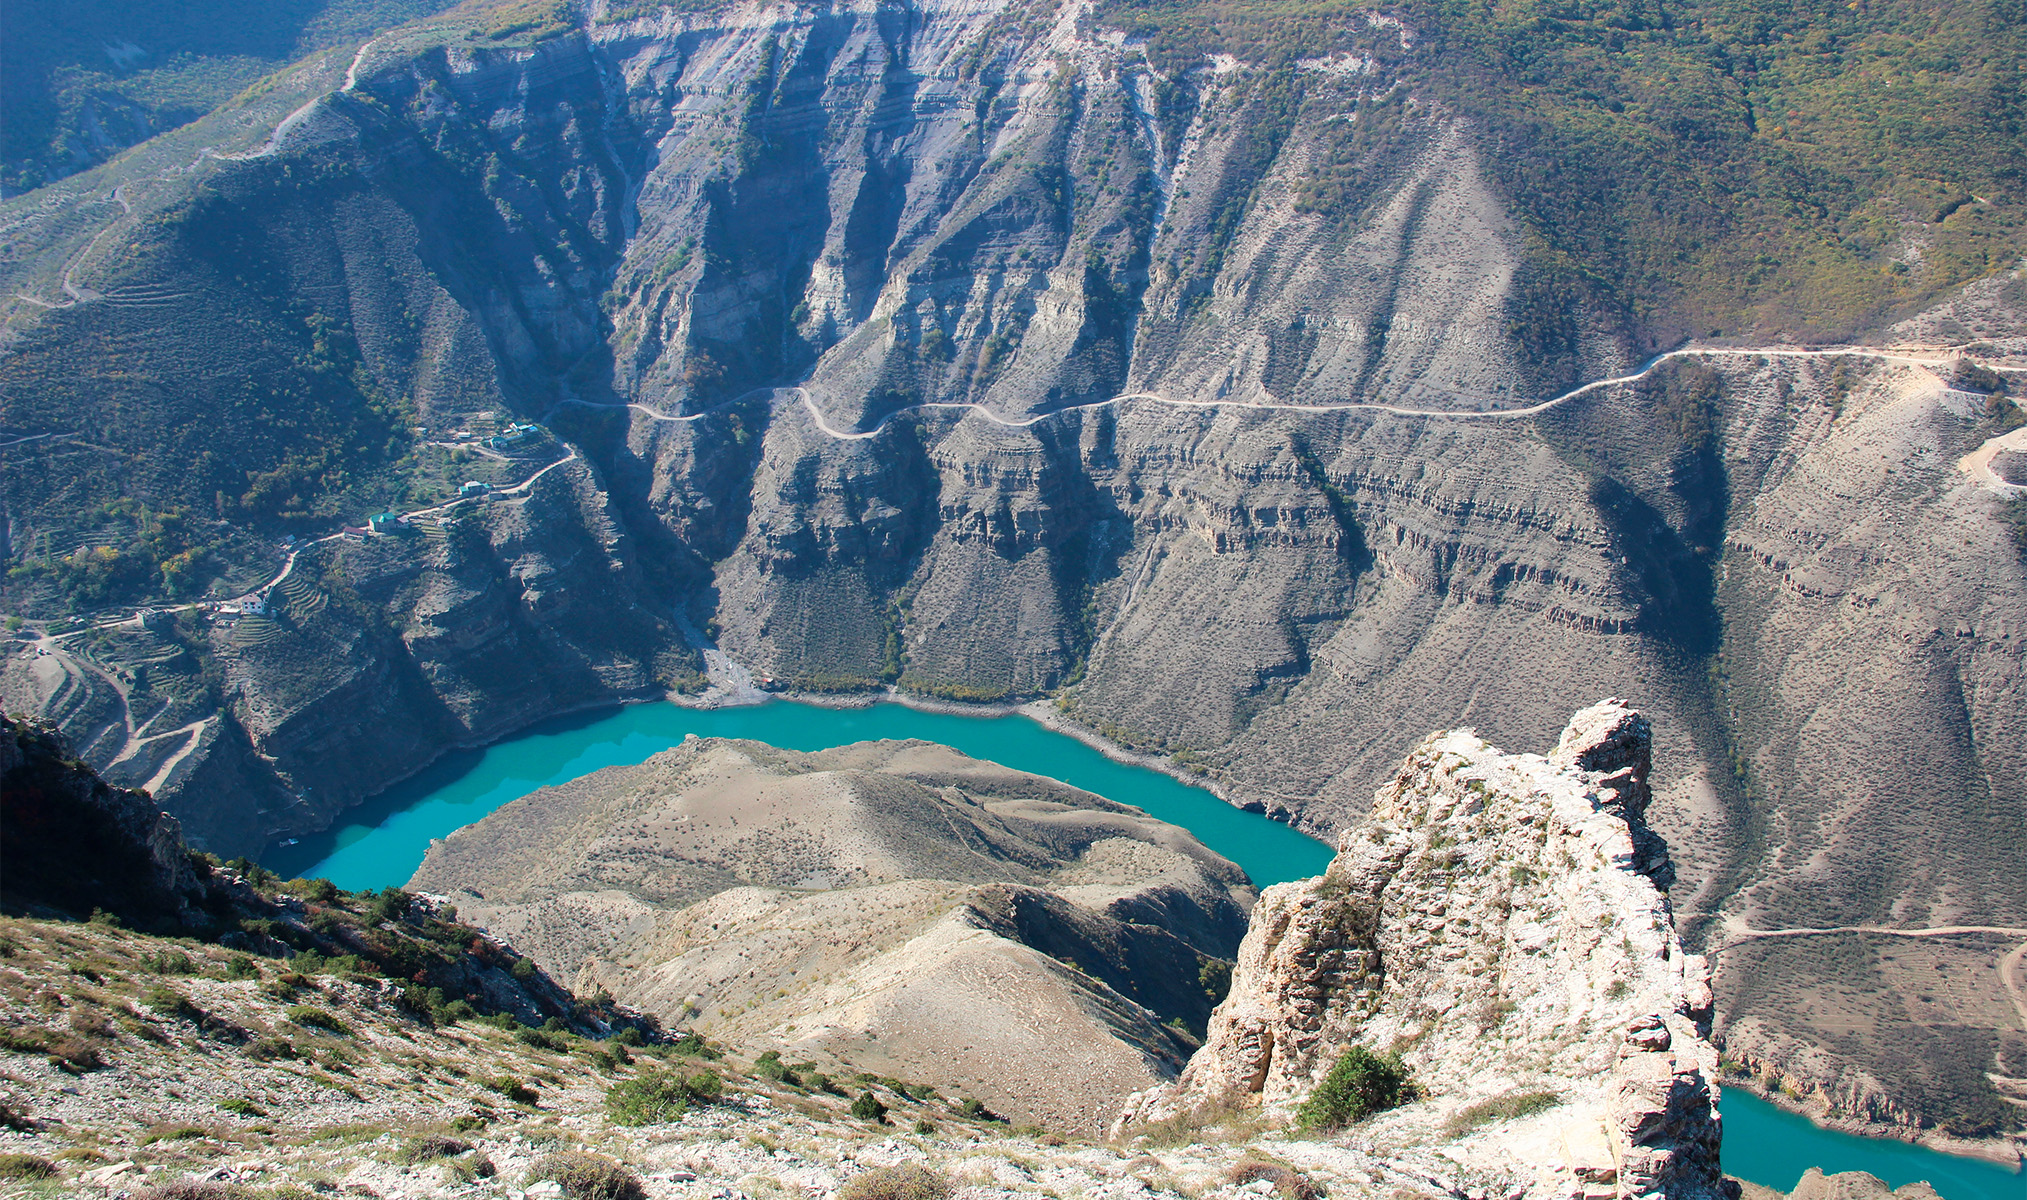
1495 921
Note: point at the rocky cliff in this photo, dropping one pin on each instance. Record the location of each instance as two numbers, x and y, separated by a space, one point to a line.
1497 920
72 845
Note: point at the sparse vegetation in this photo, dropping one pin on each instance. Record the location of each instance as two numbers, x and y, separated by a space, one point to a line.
585 1176
1712 168
512 1088
1509 1107
907 1181
430 1148
26 1166
1288 1182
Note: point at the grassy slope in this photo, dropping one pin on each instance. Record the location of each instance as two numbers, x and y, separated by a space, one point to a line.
180 1056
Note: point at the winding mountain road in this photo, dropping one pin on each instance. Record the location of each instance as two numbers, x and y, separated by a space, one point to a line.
2012 968
1917 355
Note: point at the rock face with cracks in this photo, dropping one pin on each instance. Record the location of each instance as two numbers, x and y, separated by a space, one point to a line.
1496 921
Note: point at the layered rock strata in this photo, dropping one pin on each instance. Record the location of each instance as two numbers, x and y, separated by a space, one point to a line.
1495 921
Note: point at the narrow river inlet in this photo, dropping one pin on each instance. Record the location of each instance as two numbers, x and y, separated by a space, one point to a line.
383 841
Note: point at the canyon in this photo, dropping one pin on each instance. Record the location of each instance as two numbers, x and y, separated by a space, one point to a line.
958 349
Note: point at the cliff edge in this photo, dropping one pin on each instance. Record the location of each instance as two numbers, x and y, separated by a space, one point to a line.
1499 922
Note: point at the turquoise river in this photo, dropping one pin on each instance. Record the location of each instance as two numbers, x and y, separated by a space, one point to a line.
387 837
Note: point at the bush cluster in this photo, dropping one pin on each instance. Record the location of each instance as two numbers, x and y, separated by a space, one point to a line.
1360 1084
656 1097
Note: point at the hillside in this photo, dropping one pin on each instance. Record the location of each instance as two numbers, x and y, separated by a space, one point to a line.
1720 168
1000 355
887 906
84 81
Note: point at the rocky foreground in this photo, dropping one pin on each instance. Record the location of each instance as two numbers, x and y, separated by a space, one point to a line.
1494 927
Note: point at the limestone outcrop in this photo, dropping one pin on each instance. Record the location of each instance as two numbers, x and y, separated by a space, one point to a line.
1496 922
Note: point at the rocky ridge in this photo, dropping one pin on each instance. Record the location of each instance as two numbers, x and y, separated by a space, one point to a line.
1498 920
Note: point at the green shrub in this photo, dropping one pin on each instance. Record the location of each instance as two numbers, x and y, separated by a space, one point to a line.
469 1123
240 1106
908 1181
588 1177
868 1108
321 891
389 905
317 1018
691 1045
523 969
25 1166
1359 1085
770 1066
270 1049
658 1097
1215 977
541 1040
241 966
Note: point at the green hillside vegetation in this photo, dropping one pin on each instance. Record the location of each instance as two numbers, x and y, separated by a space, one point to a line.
81 81
1708 168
